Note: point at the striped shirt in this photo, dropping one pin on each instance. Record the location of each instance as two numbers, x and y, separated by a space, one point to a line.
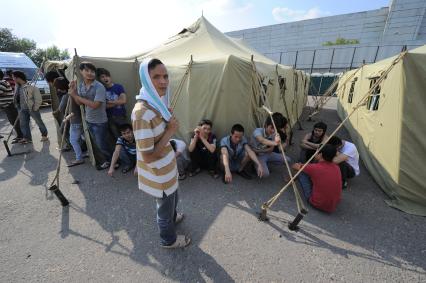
159 176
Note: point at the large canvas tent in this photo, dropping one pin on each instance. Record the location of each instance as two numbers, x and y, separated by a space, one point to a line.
389 130
213 76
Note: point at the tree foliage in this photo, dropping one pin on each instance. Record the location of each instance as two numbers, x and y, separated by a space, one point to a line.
11 43
341 41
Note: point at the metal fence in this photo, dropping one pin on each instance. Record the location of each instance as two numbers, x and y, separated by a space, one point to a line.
336 58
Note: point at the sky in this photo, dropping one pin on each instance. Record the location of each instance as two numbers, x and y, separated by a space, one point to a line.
124 27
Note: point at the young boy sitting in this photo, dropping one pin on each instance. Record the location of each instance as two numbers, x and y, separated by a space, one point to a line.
321 182
125 150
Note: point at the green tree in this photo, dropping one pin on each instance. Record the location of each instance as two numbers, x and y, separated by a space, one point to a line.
11 43
341 41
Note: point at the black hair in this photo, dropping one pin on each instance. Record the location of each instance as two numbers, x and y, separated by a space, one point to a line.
280 120
173 144
20 74
154 63
102 71
124 127
9 73
61 83
87 65
205 122
335 141
51 76
237 128
328 152
1 75
322 126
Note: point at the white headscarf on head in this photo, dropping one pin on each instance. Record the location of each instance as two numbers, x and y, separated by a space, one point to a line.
150 94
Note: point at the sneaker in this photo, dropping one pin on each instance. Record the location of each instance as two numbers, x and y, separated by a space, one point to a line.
182 177
105 165
344 185
16 140
44 138
245 175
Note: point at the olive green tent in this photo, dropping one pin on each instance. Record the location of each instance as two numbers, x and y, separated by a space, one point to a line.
389 130
213 76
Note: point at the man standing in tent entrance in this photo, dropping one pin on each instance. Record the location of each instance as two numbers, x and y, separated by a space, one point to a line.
153 127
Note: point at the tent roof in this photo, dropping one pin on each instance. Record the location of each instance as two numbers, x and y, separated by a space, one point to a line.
205 43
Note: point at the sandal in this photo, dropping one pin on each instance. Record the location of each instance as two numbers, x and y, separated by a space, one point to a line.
214 174
44 138
179 217
181 242
195 172
182 177
75 163
125 170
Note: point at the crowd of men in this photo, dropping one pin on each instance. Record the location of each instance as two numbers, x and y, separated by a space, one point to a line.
148 146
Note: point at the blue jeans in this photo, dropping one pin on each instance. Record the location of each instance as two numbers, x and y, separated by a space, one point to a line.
306 184
166 216
24 117
99 132
128 160
75 135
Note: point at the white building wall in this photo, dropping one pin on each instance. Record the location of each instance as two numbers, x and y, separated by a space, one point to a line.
381 33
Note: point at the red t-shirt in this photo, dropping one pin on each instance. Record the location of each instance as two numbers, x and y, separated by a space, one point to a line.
326 185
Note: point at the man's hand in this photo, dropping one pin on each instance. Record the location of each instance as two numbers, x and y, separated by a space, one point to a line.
135 172
173 125
73 88
277 139
228 176
111 171
297 166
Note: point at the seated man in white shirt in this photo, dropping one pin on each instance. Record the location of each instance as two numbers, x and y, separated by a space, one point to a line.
347 158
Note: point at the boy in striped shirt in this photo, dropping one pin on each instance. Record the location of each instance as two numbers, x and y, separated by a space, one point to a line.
153 127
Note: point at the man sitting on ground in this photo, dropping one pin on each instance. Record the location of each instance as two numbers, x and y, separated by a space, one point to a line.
235 155
202 149
125 150
321 182
347 158
263 142
312 141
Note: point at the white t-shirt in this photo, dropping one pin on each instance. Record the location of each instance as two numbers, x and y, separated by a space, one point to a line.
350 150
181 147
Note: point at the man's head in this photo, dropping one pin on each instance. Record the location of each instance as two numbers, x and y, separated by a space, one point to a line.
327 153
159 76
269 127
19 77
126 132
336 142
206 126
61 84
1 75
237 133
319 129
104 76
87 71
281 122
51 76
9 73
